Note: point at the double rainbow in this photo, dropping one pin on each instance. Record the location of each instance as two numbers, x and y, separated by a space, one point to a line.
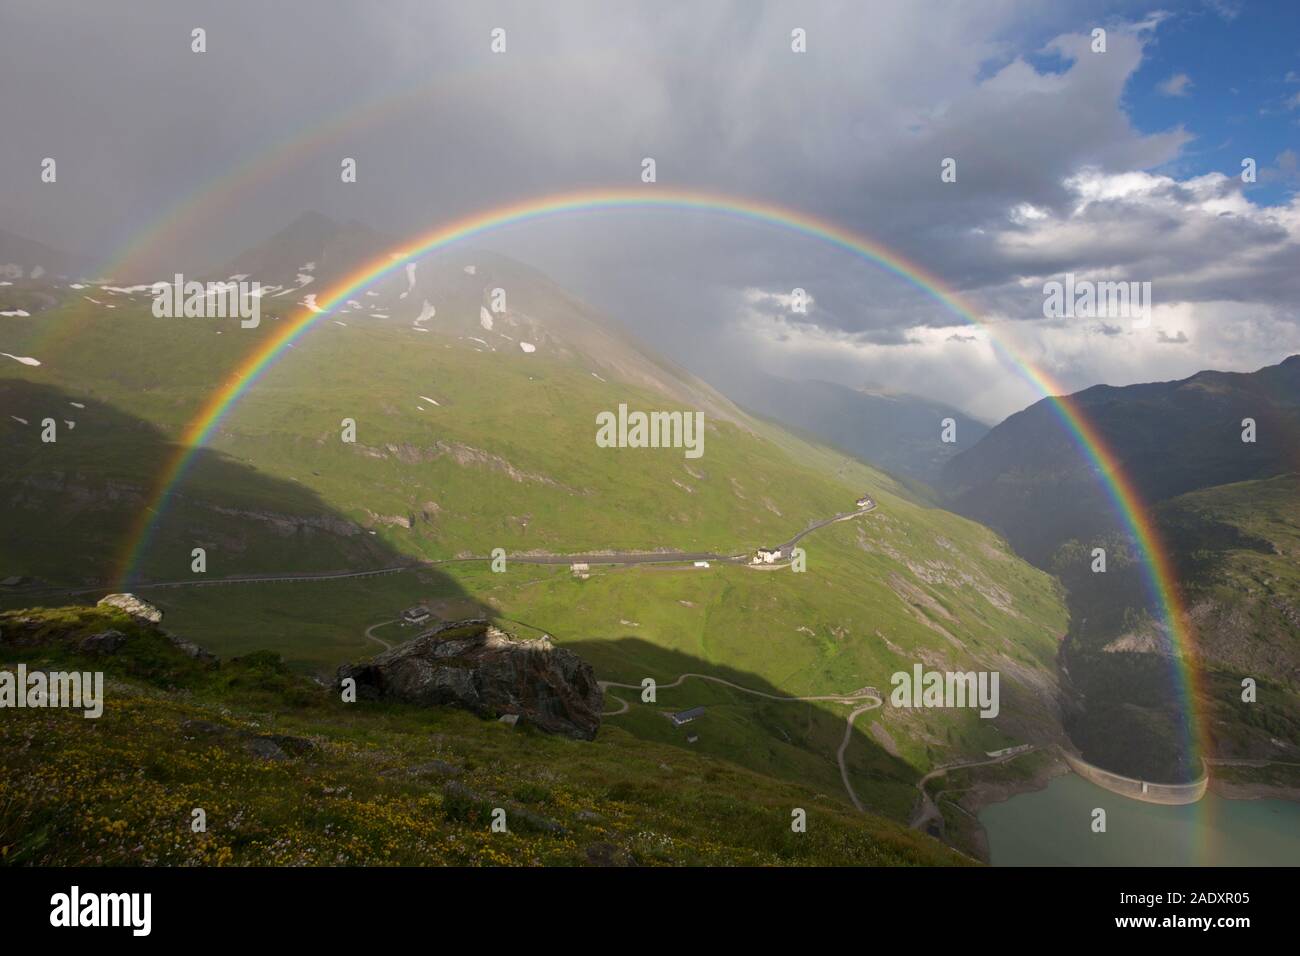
1159 575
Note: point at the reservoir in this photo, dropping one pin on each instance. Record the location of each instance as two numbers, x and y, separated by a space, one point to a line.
1053 827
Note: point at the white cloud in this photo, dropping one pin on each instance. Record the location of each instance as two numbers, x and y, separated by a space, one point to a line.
1177 85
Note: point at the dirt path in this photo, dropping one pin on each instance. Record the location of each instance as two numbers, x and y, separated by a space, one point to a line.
379 640
844 745
855 697
929 810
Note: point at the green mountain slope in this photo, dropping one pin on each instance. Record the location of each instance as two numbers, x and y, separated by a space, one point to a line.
1241 544
898 433
286 774
1028 479
468 442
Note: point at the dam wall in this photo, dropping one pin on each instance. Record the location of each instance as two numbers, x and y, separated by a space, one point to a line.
1172 794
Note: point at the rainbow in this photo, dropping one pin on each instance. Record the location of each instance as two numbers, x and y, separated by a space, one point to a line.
1160 578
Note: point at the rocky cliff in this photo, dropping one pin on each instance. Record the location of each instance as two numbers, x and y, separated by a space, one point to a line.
474 665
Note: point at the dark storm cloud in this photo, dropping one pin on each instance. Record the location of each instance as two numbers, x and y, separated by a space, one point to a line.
853 130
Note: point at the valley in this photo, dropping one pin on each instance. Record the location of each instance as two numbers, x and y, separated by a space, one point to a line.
467 443
476 486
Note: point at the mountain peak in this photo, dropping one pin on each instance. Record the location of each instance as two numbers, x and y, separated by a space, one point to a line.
312 237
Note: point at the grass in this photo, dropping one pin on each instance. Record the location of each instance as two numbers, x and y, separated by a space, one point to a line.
370 784
507 459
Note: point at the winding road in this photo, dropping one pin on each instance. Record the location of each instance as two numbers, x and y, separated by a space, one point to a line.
379 640
872 703
608 557
929 810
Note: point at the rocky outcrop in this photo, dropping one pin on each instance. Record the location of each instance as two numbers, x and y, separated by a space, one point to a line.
266 746
138 609
474 665
189 648
105 642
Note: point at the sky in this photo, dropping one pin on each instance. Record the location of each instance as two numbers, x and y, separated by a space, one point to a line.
1122 165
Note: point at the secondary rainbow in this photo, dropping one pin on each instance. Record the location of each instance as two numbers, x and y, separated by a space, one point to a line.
1159 574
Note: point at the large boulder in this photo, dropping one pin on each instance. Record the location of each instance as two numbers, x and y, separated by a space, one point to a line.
137 608
475 665
105 642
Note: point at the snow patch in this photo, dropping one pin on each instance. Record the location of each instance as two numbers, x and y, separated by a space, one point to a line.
528 346
470 270
485 319
427 312
310 302
24 359
426 398
410 279
16 313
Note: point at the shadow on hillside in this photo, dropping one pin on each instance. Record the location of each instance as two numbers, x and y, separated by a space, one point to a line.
73 506
793 740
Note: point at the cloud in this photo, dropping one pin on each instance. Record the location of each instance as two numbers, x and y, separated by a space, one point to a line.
1227 9
1177 85
1054 175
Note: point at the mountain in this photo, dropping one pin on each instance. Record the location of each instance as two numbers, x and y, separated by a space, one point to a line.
22 258
1028 478
476 430
33 276
449 295
287 775
897 432
1226 510
313 245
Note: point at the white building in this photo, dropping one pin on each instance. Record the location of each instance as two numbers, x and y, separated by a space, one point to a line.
766 556
415 615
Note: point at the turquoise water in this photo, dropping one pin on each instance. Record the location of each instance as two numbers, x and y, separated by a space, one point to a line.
1053 827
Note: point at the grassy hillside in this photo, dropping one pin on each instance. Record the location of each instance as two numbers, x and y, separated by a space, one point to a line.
1235 548
1028 479
465 443
1241 544
287 775
899 433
